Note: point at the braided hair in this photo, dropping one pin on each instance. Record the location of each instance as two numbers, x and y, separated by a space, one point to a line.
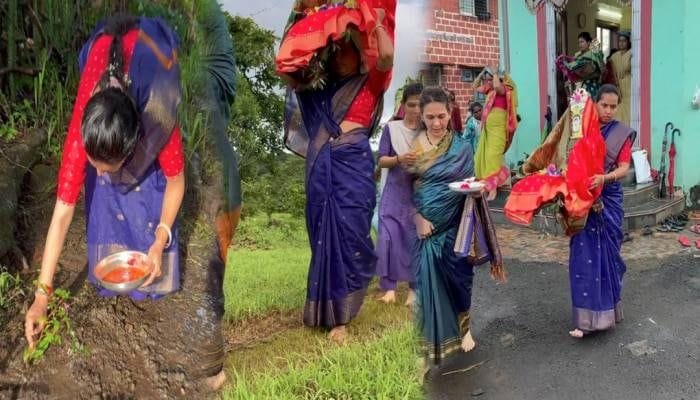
110 125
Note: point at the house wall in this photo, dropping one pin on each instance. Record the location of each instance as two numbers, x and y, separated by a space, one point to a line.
674 77
454 54
523 44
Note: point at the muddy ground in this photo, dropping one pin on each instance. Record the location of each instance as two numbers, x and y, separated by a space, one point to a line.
152 349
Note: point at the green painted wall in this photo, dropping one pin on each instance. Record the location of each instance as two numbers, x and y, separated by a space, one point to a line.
675 72
523 68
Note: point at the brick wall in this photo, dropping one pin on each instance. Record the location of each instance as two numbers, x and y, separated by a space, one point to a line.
475 44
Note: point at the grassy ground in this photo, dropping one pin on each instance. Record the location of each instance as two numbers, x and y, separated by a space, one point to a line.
281 358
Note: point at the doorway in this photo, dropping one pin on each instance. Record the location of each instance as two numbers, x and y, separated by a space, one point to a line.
602 19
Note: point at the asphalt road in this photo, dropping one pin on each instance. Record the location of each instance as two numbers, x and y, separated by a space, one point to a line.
524 351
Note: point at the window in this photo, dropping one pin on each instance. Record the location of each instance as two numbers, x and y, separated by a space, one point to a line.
432 76
466 7
604 35
469 74
477 8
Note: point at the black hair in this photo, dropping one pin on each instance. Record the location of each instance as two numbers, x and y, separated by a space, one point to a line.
608 88
434 94
475 105
414 89
110 126
117 26
585 36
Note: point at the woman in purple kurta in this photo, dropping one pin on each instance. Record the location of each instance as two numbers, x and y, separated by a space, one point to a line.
596 267
396 229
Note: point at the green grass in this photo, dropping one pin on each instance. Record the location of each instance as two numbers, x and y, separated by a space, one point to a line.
261 281
267 273
382 369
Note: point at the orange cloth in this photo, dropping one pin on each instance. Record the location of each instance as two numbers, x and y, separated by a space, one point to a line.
586 159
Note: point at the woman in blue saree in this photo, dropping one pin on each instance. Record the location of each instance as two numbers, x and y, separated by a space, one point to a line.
124 150
596 267
330 126
445 272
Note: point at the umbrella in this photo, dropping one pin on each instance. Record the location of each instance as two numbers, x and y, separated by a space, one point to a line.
662 167
671 161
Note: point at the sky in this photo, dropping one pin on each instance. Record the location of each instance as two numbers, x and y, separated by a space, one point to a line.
410 18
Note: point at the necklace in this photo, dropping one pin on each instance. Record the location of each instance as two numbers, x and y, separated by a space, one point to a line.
427 137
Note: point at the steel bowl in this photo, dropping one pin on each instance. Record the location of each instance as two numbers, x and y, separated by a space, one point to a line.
122 260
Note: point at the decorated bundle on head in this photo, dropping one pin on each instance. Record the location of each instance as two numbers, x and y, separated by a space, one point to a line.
317 28
560 170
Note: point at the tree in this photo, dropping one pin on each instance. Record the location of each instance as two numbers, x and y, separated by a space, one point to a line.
257 115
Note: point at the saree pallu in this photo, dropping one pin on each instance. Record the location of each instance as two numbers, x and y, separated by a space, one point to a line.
117 222
444 280
340 198
621 66
489 156
304 46
596 267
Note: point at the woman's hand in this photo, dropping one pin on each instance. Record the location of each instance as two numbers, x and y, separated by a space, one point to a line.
597 206
596 181
36 318
407 159
380 14
424 228
155 260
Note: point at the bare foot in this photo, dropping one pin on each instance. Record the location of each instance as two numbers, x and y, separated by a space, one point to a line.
411 299
338 334
576 333
214 383
468 343
389 297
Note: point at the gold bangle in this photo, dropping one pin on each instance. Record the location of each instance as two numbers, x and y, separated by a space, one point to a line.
377 27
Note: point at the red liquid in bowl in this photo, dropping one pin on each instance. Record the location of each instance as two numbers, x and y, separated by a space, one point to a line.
124 274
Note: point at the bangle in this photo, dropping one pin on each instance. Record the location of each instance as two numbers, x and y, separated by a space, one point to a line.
168 231
42 289
378 26
398 161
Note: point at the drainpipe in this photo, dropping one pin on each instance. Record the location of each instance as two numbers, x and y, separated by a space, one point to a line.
505 42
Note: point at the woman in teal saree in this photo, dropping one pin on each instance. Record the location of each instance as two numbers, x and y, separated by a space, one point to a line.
445 255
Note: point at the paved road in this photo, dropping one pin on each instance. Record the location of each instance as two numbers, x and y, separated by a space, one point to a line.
521 330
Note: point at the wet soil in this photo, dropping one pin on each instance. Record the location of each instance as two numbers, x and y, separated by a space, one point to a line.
151 349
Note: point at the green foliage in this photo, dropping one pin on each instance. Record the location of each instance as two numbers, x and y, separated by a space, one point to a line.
57 324
285 231
48 37
278 190
257 114
11 289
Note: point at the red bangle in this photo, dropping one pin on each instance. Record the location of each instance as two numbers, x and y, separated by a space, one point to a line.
46 290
